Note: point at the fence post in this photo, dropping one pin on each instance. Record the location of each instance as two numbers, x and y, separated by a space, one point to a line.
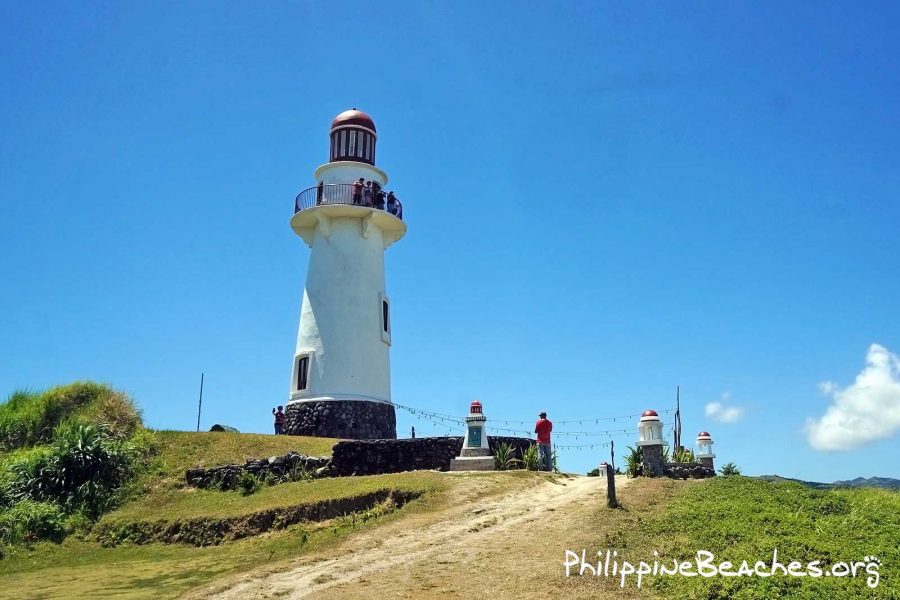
610 474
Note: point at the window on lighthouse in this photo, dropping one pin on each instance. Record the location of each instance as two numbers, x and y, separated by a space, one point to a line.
385 320
302 372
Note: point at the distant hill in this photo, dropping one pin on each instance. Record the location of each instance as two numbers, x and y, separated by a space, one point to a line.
887 483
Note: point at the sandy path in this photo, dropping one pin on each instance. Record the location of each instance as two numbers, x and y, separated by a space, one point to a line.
455 538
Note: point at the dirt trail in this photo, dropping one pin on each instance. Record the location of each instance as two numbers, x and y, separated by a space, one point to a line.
444 548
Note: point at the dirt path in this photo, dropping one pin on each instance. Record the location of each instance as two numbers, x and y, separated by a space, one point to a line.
521 530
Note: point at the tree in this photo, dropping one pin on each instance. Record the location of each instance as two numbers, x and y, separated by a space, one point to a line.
730 469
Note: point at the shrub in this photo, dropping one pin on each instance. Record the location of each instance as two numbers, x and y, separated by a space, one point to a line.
29 521
505 458
81 471
634 462
683 455
531 458
300 472
730 469
248 483
29 418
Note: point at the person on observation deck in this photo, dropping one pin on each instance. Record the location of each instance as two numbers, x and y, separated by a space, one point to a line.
393 205
357 191
542 428
367 195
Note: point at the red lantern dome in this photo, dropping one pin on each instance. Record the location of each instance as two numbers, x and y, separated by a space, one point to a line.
649 413
475 407
353 117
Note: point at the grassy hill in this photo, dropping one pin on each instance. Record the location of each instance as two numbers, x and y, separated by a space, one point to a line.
157 500
886 483
745 519
158 538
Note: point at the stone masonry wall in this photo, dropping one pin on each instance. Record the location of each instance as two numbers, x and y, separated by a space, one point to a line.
346 419
369 457
689 471
653 463
226 477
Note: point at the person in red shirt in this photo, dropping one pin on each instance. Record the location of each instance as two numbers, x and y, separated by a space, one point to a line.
542 428
280 420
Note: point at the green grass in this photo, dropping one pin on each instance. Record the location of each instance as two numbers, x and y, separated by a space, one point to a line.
80 568
28 418
188 503
178 451
739 518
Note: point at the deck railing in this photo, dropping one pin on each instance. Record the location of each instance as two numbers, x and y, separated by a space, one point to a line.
342 193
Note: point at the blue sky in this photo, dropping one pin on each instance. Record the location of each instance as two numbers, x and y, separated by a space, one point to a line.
604 201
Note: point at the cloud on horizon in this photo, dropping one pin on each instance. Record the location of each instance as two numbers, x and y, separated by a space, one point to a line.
863 412
721 412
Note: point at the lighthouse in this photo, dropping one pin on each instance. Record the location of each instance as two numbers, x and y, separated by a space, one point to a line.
340 377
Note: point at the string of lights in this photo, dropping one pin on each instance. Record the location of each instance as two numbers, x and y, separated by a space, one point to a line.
581 446
449 421
586 420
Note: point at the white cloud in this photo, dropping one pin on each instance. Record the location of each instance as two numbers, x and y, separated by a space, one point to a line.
866 411
719 411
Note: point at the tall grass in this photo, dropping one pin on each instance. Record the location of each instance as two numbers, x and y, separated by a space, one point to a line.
738 518
29 418
82 471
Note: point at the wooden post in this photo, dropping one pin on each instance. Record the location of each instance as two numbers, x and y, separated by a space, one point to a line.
611 500
612 454
200 402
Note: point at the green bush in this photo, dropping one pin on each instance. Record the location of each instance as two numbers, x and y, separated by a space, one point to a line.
531 458
29 418
730 469
81 471
683 455
28 521
634 462
505 457
248 483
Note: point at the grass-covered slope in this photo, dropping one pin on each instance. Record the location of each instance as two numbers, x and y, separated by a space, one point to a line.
66 457
29 418
177 451
740 518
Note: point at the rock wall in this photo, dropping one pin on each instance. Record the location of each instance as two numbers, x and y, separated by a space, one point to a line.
652 461
370 457
345 419
688 471
226 477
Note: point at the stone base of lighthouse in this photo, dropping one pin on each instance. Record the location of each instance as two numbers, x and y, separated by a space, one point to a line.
345 419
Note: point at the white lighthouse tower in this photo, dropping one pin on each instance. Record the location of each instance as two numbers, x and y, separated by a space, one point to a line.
340 380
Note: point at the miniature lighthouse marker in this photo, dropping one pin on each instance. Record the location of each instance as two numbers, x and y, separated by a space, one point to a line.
476 453
704 453
651 442
340 379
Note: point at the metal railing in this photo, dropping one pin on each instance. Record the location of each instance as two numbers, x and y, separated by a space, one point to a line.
344 193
